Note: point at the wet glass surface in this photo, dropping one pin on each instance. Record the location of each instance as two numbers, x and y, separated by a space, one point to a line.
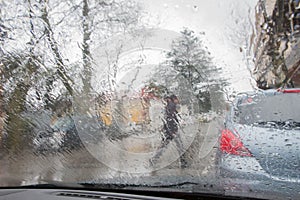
144 93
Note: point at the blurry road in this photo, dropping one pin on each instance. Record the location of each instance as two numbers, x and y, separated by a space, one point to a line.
80 165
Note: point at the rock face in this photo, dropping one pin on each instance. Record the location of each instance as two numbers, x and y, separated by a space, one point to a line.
276 44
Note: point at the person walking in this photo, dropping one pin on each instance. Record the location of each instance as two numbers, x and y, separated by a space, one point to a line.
170 130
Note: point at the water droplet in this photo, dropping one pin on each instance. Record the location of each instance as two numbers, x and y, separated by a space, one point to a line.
195 8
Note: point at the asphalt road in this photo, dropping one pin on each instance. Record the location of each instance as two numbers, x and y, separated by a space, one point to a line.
82 165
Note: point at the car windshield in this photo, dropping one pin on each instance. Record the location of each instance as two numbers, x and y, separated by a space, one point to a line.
138 93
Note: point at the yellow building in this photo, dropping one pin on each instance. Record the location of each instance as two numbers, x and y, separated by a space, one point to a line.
133 110
106 114
136 110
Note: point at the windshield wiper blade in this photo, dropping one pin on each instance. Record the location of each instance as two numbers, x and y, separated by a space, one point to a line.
185 183
53 185
155 191
104 185
130 185
188 186
185 189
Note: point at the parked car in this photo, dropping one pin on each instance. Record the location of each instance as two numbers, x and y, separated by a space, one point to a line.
53 136
71 139
260 143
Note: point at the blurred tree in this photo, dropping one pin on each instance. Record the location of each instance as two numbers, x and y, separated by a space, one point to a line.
191 60
38 45
110 18
58 59
19 69
50 28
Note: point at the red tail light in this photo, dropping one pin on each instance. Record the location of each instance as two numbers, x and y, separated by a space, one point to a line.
231 144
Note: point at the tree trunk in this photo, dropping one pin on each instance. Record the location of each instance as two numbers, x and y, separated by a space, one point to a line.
86 53
61 71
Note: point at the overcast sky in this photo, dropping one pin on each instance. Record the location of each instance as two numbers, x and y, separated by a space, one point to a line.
227 26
